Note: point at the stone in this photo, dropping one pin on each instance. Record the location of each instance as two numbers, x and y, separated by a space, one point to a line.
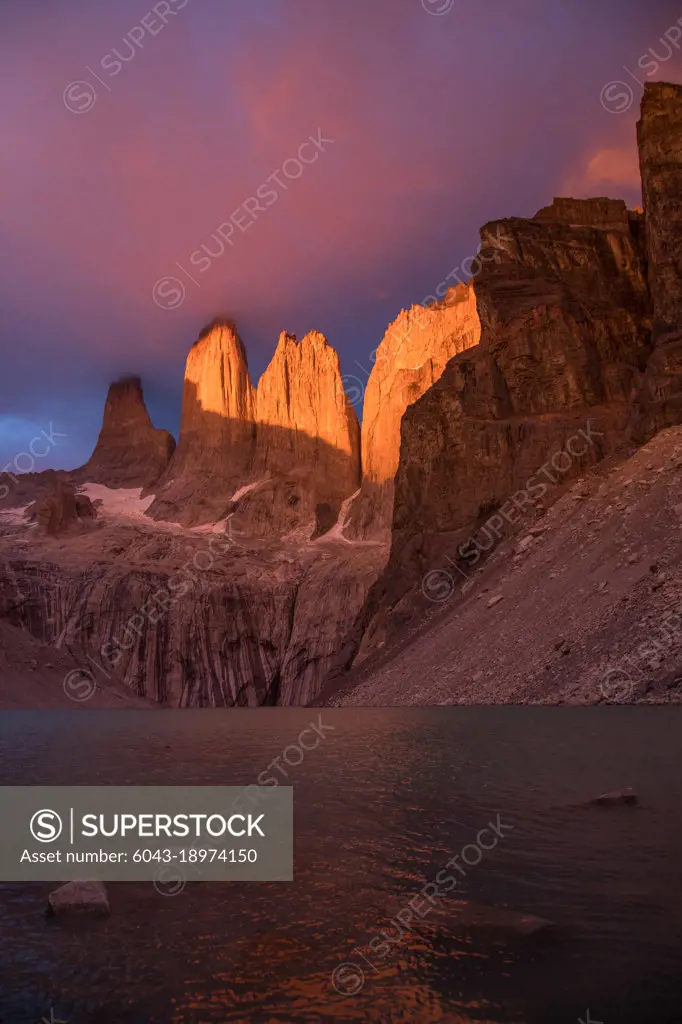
626 796
500 920
61 509
130 451
79 899
494 600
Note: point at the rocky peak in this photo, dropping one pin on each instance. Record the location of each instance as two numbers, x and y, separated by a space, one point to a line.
302 391
410 359
130 451
285 448
217 377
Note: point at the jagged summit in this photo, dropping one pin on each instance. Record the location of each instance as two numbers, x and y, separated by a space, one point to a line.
291 446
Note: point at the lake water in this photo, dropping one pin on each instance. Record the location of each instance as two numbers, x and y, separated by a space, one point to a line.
380 806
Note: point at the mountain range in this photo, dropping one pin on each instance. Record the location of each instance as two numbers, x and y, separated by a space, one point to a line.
501 528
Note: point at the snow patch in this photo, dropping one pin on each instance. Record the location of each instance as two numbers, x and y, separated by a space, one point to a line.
14 516
336 532
119 502
219 527
247 488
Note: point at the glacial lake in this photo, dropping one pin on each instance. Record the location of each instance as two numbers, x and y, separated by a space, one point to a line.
381 804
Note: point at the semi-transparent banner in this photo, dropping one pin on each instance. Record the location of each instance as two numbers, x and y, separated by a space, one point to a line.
140 833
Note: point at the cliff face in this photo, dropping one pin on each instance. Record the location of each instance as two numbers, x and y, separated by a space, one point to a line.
302 395
186 618
659 134
129 452
189 613
565 333
409 360
580 322
565 315
281 457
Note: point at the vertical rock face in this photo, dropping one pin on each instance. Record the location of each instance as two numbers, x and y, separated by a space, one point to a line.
288 451
217 428
129 452
659 134
301 395
409 360
565 315
307 439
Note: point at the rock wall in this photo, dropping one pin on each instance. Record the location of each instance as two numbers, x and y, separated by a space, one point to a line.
190 621
659 134
566 318
409 360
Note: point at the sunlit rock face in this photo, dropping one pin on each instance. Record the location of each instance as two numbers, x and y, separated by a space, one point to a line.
130 451
659 135
301 393
565 316
279 457
566 332
307 440
218 404
410 359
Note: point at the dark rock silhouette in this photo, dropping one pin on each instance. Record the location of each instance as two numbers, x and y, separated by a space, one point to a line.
61 509
130 451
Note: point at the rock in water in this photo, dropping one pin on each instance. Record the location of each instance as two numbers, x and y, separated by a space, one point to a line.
79 899
129 452
626 796
410 359
500 920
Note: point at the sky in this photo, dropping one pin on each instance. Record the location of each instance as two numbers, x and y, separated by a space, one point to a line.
335 157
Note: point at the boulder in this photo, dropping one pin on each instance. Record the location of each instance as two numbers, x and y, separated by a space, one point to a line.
79 899
625 796
500 920
61 508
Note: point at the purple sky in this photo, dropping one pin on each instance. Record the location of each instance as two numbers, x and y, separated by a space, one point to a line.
439 122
